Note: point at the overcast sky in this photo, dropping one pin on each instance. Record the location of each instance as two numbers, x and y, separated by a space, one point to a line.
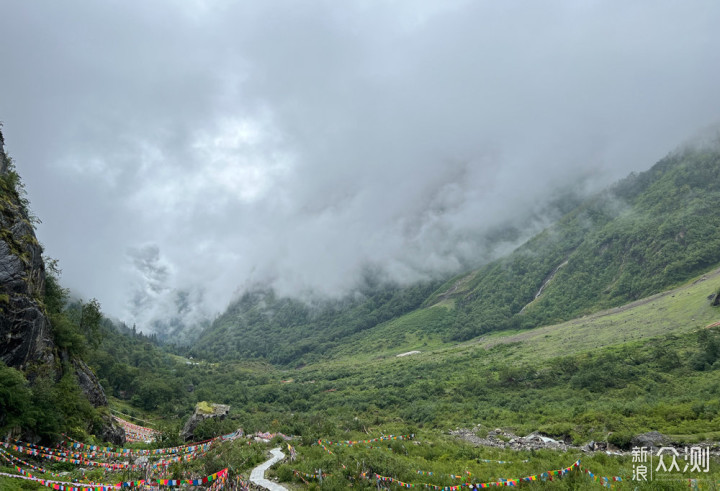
206 145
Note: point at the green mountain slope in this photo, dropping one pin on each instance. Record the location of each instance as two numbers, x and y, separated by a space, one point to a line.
647 233
649 365
262 325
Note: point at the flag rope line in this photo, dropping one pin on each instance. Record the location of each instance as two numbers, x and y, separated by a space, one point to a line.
65 486
543 476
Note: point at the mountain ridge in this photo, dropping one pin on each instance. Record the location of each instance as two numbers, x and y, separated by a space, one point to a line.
646 233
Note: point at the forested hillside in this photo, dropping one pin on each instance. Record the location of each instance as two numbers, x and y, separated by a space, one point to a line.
646 233
262 325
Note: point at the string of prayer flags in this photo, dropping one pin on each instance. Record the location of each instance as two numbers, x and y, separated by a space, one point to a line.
543 476
605 481
503 482
241 484
61 485
219 483
184 482
81 458
83 454
12 459
65 486
61 452
56 458
320 442
190 447
136 433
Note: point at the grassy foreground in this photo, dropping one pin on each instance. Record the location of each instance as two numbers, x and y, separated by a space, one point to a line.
649 366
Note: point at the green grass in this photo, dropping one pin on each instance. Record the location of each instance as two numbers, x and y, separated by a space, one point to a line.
446 457
136 415
677 311
610 375
609 372
681 310
406 333
455 287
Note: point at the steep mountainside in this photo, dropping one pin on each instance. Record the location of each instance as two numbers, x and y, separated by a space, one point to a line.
24 328
262 325
648 232
31 343
645 234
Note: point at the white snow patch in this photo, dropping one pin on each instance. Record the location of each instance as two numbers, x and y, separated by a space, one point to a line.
407 354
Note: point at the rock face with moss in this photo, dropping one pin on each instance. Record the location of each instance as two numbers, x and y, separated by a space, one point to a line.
25 331
203 410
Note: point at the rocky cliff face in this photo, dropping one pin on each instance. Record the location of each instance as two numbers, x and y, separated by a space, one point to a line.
25 331
26 340
89 384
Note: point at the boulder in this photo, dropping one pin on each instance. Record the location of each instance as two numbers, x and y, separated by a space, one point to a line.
652 439
112 433
589 447
203 411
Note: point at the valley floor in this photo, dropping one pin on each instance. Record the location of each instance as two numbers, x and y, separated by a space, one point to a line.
372 419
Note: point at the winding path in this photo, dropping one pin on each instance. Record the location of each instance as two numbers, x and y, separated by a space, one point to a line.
257 476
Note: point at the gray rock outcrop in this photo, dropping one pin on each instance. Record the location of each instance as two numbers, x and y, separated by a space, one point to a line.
651 440
501 438
89 384
25 333
203 411
111 432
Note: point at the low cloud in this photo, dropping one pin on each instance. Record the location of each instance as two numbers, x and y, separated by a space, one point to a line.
177 154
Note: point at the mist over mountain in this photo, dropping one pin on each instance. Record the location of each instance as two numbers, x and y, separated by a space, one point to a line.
385 239
644 234
202 148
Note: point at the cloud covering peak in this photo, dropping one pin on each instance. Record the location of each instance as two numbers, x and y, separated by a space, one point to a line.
176 152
